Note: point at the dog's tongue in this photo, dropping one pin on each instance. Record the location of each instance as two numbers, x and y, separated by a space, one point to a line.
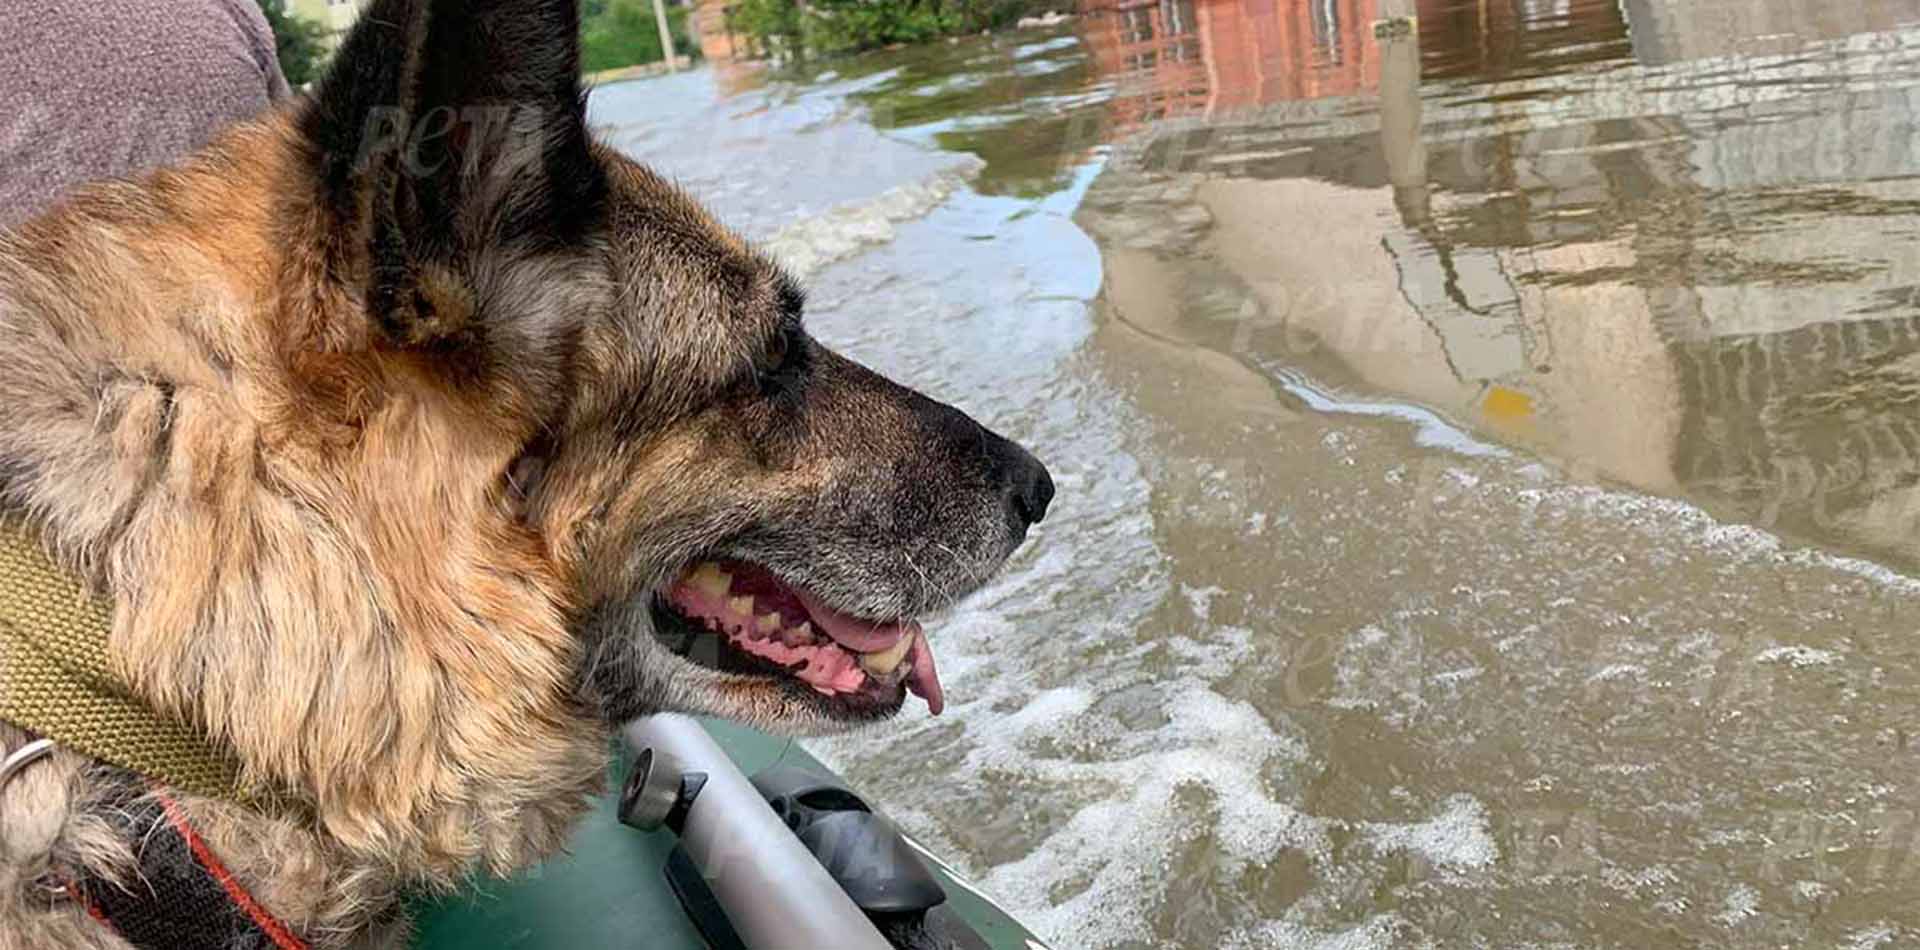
860 636
865 636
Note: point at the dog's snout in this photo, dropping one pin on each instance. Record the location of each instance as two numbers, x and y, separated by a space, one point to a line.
1032 487
1013 476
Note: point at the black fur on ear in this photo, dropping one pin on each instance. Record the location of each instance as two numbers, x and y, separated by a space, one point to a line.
445 127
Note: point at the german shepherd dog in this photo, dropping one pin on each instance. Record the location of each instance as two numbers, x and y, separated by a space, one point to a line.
416 438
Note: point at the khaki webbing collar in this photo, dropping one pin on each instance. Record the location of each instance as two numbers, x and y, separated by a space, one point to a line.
56 680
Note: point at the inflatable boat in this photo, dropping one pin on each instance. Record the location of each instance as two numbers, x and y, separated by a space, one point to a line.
719 837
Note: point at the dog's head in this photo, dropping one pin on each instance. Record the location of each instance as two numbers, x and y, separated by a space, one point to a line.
744 523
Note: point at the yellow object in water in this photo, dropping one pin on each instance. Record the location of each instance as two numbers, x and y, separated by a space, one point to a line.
1507 405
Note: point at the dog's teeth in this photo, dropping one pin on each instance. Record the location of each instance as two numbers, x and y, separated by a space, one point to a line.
741 606
768 624
709 579
803 633
888 660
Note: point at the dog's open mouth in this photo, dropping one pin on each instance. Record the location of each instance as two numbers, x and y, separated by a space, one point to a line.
761 624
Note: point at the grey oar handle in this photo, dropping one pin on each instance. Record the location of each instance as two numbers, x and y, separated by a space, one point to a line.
775 892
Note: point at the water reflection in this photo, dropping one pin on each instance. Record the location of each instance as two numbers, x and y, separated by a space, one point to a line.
1489 39
1664 243
1669 244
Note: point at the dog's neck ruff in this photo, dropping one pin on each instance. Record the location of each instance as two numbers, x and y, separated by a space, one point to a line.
56 681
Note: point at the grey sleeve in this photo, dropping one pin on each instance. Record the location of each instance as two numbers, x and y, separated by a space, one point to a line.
105 89
259 39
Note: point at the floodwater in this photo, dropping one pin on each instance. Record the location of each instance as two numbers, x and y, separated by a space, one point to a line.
1488 442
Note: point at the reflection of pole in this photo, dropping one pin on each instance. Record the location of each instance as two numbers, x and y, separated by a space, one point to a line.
666 35
1406 152
1484 31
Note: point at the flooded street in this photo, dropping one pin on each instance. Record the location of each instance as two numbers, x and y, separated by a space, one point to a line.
1488 447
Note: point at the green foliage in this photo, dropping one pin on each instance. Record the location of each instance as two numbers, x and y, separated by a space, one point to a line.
995 14
299 42
845 26
772 24
617 33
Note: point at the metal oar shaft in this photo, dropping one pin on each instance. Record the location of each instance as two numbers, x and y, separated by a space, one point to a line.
776 894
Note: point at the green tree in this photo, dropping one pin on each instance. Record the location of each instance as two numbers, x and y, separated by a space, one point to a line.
787 29
299 42
774 25
623 33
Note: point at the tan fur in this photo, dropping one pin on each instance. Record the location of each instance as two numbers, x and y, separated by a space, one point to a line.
213 471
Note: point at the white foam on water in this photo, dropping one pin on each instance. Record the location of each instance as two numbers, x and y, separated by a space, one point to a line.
1646 881
1797 656
1671 516
1457 839
1872 938
1376 933
814 242
1742 902
1673 906
1097 880
1201 599
1047 711
1380 671
1215 658
1618 671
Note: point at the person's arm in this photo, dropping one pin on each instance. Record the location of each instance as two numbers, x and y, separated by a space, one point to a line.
103 90
266 56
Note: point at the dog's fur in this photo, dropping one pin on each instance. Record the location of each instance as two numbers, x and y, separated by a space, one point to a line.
383 421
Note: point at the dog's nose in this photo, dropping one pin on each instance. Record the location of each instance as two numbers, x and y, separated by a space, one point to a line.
1032 488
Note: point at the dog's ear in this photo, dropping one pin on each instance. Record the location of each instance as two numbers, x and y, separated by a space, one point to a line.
446 126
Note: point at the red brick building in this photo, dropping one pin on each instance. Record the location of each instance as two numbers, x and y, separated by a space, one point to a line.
1185 57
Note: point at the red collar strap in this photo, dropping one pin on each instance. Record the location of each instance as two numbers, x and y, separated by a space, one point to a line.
181 897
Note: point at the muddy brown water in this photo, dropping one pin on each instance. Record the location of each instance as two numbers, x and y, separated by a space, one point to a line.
1488 439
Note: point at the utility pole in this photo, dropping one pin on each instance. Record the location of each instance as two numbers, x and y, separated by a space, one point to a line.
666 35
